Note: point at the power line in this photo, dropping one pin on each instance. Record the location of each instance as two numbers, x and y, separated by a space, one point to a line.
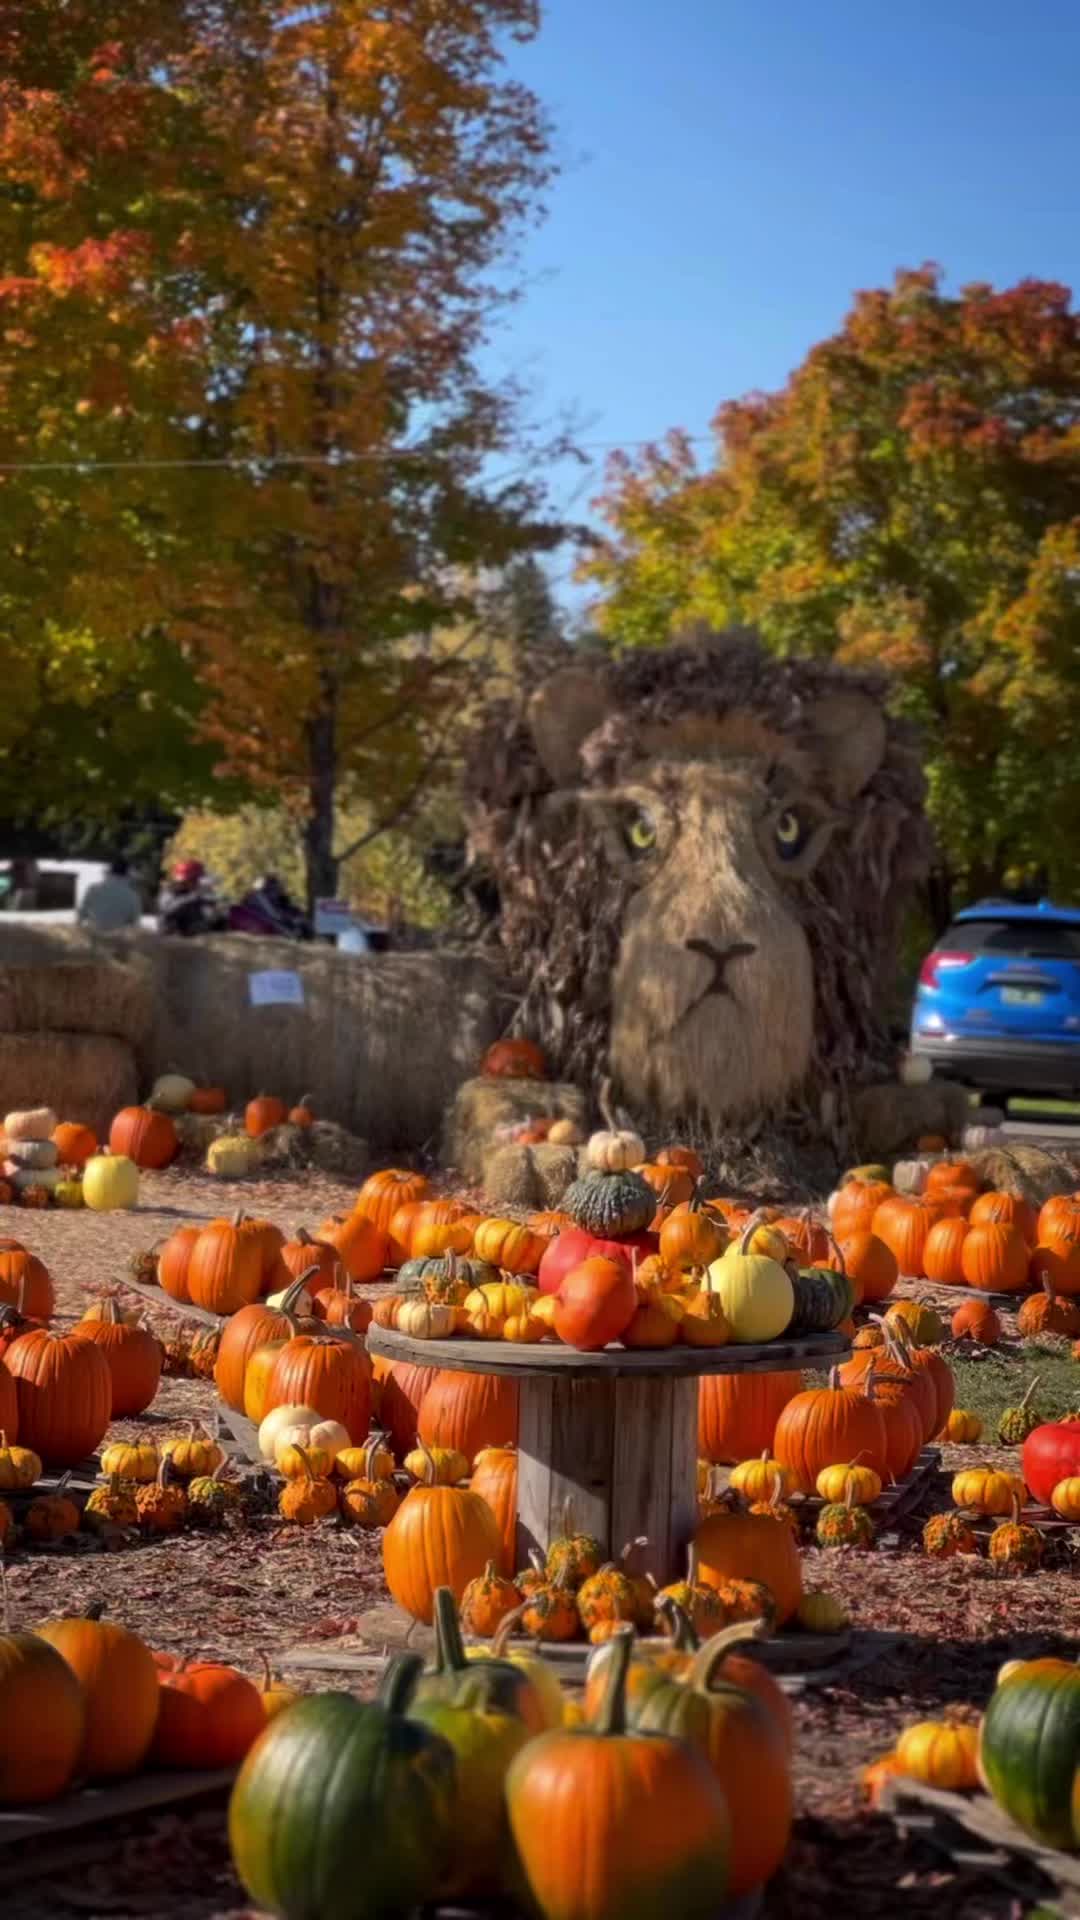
246 463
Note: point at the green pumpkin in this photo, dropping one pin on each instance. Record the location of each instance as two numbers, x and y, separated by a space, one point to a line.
344 1810
446 1276
484 1742
508 1688
823 1297
610 1203
1029 1749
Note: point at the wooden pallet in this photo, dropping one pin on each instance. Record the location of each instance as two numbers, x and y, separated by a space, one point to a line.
166 1304
745 1908
239 1435
90 1806
972 1831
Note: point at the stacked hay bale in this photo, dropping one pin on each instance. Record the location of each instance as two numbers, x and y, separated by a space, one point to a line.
71 1019
484 1113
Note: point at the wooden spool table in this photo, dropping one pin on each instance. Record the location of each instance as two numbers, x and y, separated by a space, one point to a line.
614 1432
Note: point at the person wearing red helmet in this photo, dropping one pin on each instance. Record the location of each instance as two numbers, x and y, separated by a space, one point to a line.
187 903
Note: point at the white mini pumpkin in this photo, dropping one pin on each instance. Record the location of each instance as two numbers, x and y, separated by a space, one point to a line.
281 1419
172 1092
37 1123
615 1150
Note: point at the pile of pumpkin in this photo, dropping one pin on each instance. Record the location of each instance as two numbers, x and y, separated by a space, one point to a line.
1049 1475
52 1162
952 1233
155 1490
85 1700
1034 1711
477 1777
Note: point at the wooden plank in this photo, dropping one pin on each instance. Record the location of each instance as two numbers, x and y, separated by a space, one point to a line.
581 1461
166 1304
535 1415
244 1432
654 1492
495 1356
978 1814
91 1804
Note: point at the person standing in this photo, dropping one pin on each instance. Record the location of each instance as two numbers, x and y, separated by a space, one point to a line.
111 903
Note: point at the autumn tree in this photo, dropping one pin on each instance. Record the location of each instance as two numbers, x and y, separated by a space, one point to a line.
250 254
911 497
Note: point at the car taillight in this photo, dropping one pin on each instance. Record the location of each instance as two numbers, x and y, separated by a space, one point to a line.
935 965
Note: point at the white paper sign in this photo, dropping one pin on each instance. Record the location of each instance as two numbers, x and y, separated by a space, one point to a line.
276 989
333 916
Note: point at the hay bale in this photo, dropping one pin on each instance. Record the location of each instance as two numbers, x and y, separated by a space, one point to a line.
888 1119
84 1076
480 1107
324 1146
51 992
526 1177
1032 1172
381 1040
197 1131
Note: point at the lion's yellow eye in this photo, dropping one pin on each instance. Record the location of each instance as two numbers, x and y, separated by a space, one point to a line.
641 833
789 832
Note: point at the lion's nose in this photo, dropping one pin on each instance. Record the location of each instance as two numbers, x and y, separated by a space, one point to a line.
720 957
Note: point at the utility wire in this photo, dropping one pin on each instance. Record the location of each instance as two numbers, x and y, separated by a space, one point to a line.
245 463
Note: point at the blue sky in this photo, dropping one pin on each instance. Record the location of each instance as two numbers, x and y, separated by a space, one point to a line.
735 168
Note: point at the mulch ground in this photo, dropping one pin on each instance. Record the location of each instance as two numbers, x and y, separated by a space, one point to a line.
247 1595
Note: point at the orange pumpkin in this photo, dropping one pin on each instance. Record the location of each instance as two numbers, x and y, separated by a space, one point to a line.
317 1259
1007 1209
494 1478
120 1688
1058 1256
681 1157
734 1545
952 1173
856 1204
329 1372
826 1424
806 1236
207 1100
595 1304
263 1113
145 1136
469 1411
514 1060
379 1199
209 1716
738 1412
341 1307
400 1399
904 1225
174 1260
303 1114
1060 1215
869 1264
25 1283
439 1537
440 1226
225 1268
63 1390
691 1237
74 1143
252 1327
509 1246
977 1320
360 1245
995 1258
132 1355
943 1254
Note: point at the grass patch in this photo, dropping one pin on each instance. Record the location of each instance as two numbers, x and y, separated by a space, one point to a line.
987 1386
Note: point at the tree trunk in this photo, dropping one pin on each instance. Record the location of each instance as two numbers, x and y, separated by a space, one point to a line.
320 864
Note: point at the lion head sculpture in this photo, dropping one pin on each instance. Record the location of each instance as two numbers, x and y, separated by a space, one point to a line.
703 855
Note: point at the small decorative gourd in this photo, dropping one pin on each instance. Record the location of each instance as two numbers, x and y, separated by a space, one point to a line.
1017 1422
843 1524
306 1500
946 1535
111 1506
1014 1544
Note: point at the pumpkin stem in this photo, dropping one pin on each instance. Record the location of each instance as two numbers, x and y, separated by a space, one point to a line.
507 1625
1029 1392
611 1714
95 1610
700 1677
449 1646
677 1624
398 1683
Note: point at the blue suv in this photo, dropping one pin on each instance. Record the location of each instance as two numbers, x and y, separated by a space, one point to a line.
998 1000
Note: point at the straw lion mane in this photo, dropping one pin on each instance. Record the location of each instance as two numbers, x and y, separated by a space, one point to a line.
703 854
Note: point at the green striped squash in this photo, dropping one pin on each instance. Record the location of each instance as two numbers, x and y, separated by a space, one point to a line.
1029 1751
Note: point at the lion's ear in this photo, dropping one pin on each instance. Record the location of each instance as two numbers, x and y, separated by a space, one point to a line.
562 713
846 735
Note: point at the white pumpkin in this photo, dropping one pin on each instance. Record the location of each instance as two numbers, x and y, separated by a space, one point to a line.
909 1176
234 1156
38 1123
329 1435
33 1153
278 1420
617 1150
977 1139
23 1177
172 1092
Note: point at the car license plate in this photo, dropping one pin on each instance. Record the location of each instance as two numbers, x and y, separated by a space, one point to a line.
1022 996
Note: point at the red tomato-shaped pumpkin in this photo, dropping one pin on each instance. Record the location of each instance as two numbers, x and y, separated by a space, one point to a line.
595 1303
1051 1453
569 1249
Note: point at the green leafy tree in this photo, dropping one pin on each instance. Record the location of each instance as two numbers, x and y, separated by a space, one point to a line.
910 498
